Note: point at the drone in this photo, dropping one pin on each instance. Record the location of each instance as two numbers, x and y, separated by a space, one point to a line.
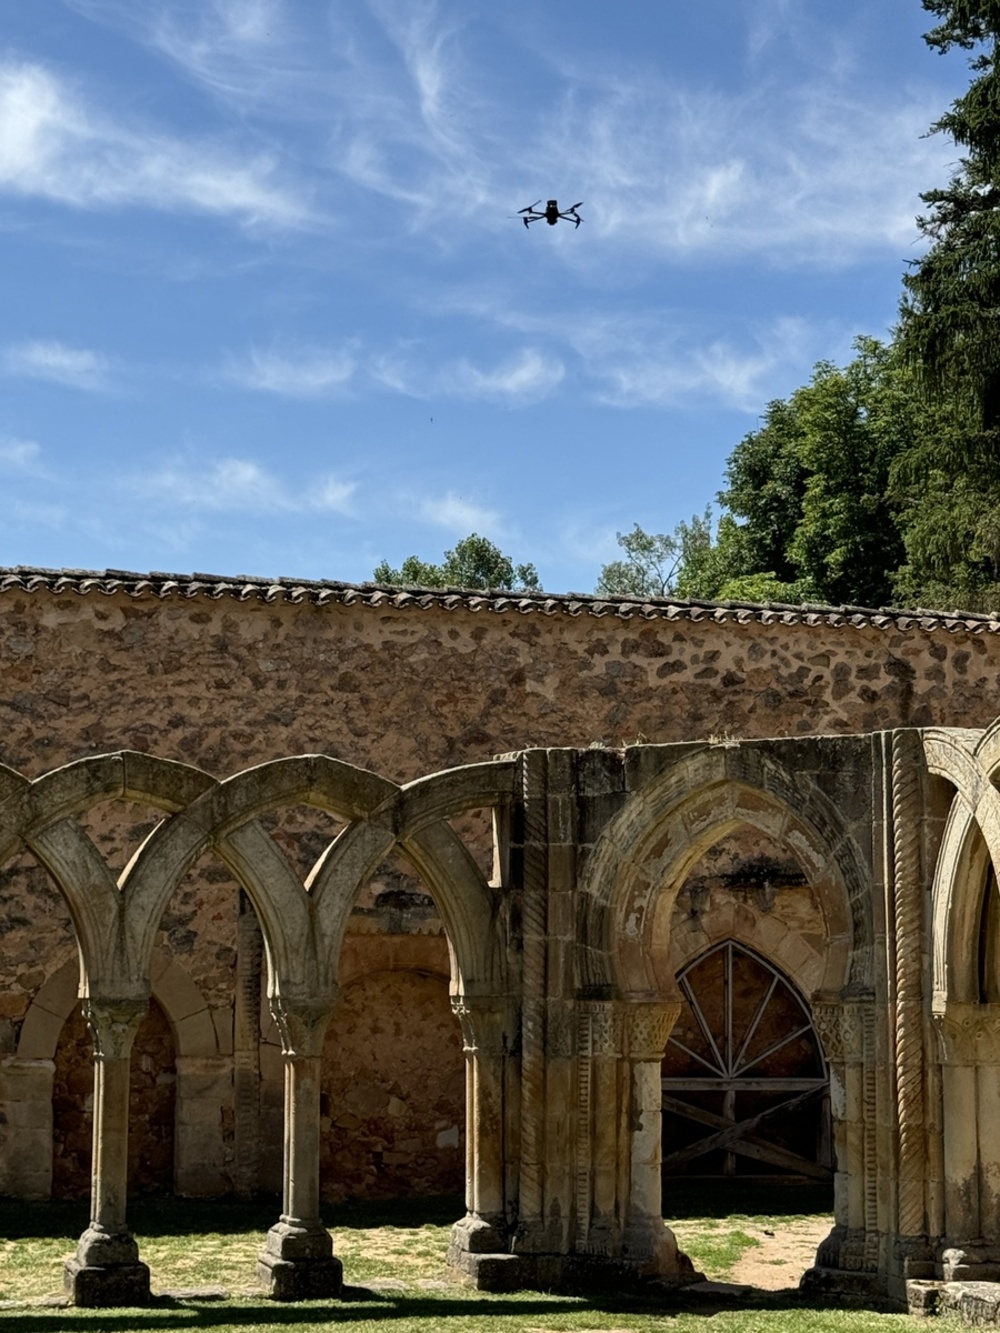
550 213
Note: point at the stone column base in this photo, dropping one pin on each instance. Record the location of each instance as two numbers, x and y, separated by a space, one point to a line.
478 1235
301 1279
95 1286
298 1263
852 1287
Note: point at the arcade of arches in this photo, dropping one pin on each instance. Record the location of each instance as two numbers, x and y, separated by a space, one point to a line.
630 1009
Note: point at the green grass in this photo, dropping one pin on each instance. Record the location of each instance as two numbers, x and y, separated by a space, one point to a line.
192 1244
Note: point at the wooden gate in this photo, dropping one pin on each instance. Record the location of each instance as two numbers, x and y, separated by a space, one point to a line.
745 1084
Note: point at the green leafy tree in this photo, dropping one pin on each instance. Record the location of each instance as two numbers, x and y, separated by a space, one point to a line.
807 512
475 562
653 561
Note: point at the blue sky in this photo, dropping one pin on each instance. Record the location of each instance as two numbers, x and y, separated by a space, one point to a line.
267 307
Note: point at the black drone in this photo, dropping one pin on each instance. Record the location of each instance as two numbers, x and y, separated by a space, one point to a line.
550 213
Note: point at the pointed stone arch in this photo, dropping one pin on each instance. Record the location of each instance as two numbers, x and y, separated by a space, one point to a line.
647 849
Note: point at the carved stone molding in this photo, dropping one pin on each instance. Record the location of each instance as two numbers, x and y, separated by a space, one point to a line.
113 1024
969 1034
600 1029
560 1030
827 1022
302 1025
647 1027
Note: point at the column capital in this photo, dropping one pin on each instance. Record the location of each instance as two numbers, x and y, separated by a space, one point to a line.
302 1024
488 1022
648 1024
969 1034
113 1023
840 1025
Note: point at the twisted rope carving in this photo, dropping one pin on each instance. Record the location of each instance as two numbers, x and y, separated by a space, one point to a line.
908 921
533 1021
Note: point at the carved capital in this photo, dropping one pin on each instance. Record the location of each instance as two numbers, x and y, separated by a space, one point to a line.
488 1023
113 1023
826 1020
302 1025
647 1027
969 1034
841 1027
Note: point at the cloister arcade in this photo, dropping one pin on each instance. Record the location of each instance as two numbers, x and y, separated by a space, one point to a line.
564 980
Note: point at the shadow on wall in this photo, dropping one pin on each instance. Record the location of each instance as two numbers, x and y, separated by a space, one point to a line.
152 1092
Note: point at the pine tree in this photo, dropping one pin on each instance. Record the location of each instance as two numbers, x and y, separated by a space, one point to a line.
950 315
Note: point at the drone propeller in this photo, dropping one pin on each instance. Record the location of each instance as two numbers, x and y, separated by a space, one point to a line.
531 207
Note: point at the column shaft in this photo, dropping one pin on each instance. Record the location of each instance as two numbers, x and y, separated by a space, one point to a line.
105 1271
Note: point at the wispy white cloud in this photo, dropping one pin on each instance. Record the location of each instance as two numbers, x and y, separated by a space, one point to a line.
794 167
240 485
663 357
20 456
39 513
642 367
459 515
304 374
525 377
56 146
75 367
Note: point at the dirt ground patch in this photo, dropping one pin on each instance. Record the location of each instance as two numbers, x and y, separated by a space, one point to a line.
782 1254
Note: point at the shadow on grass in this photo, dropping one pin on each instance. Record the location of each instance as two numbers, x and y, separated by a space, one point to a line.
166 1215
167 1314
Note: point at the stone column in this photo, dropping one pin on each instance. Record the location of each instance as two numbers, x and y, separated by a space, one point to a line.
912 1252
648 1244
534 975
969 1037
106 1271
487 1037
297 1262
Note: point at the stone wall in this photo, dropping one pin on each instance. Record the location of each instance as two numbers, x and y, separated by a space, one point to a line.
225 677
151 1108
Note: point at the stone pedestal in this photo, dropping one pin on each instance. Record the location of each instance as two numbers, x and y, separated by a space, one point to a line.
298 1263
106 1271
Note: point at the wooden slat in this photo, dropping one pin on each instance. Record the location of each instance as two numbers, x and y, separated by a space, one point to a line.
749 1146
733 1132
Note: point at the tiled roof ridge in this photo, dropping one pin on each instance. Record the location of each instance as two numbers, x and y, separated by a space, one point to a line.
30 579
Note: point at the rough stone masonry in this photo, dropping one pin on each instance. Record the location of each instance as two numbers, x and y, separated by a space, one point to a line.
204 936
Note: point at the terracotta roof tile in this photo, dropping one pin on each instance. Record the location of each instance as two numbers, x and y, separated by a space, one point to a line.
115 582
